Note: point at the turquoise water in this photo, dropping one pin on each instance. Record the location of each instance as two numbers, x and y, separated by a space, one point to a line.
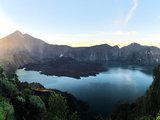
101 92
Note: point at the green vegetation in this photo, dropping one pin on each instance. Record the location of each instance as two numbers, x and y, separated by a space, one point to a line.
19 101
149 117
6 110
74 116
57 106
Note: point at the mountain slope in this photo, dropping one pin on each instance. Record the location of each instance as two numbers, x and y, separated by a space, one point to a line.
142 55
18 49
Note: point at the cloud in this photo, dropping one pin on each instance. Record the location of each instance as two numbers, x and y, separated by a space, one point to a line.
131 12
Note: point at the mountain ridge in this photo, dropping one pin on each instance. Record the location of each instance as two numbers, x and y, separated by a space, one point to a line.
18 49
17 32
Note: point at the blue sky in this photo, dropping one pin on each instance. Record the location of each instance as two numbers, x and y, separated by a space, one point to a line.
84 22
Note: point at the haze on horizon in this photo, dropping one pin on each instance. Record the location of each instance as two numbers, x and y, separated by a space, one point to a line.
84 22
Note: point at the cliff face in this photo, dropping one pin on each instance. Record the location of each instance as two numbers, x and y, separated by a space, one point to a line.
18 49
149 104
99 53
143 55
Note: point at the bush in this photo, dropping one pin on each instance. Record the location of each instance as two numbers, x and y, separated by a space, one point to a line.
57 106
8 88
1 73
2 114
13 77
6 110
37 103
1 70
145 118
149 117
158 116
74 116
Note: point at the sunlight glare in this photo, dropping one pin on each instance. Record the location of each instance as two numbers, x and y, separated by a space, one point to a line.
6 26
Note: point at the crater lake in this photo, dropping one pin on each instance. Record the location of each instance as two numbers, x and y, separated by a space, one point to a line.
101 92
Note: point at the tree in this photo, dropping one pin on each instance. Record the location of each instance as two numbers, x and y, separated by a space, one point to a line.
13 77
158 116
1 72
57 106
149 117
74 116
36 107
37 103
6 110
2 114
8 88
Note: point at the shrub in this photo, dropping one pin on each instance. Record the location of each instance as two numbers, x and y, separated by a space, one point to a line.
158 116
37 103
8 87
6 110
58 106
74 116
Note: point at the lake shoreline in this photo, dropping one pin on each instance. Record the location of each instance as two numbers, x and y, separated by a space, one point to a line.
101 91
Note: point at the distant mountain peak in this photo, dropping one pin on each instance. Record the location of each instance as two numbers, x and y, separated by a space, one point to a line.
116 46
134 44
26 34
17 32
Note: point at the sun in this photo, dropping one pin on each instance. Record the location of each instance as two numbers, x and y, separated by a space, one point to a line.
6 26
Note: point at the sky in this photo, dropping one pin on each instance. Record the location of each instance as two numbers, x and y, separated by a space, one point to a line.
84 22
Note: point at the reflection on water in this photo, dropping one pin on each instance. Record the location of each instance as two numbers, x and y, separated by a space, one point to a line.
101 92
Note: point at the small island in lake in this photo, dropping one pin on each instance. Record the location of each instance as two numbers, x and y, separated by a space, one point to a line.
66 66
